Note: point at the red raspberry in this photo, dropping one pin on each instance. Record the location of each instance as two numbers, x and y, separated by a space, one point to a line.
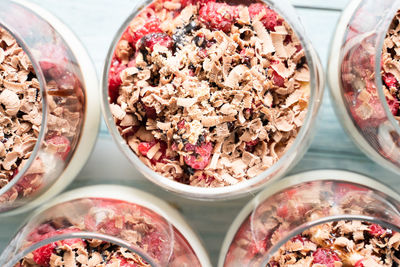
277 79
359 263
390 80
325 256
114 80
200 159
63 142
150 40
151 26
42 255
218 16
376 230
270 19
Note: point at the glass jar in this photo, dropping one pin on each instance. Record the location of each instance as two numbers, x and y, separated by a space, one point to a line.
123 216
69 116
356 84
302 201
243 188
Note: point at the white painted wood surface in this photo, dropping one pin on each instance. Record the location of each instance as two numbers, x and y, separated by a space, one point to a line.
96 21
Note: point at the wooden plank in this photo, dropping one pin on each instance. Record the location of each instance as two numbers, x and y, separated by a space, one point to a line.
96 21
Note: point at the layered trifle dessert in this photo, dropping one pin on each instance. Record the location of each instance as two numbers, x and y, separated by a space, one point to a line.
22 117
334 231
144 233
209 93
359 64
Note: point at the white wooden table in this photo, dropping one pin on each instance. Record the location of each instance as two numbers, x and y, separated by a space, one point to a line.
96 21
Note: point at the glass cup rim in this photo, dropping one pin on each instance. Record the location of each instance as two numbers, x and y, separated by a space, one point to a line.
244 187
81 235
318 175
43 88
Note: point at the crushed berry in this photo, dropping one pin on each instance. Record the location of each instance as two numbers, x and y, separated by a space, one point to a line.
393 106
151 26
277 79
201 156
150 112
150 40
218 16
67 81
250 146
390 80
181 124
256 248
114 80
203 53
282 211
300 238
270 19
53 61
63 142
144 147
326 257
376 230
155 243
359 263
127 36
208 179
42 255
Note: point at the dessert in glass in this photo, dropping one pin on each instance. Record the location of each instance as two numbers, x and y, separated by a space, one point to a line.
364 78
212 99
319 218
105 225
48 106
